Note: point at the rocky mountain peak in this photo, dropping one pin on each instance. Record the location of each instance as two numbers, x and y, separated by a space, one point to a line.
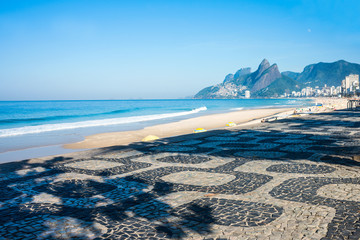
262 67
229 78
275 68
242 72
264 64
268 76
267 81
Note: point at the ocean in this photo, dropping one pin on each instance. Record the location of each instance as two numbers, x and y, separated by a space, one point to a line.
39 128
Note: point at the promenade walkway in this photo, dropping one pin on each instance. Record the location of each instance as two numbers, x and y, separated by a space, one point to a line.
293 178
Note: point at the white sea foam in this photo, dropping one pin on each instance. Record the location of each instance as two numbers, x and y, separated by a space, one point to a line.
91 123
237 109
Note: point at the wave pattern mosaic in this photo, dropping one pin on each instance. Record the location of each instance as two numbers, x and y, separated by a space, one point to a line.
287 179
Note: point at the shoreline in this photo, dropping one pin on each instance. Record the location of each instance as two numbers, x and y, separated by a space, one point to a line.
178 128
256 162
164 130
243 119
184 127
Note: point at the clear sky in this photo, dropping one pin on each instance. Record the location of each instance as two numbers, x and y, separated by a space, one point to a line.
113 49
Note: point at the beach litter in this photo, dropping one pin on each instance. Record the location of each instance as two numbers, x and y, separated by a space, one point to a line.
270 119
198 130
231 124
150 138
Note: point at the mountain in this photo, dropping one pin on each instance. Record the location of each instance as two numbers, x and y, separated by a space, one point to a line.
267 81
330 74
264 76
291 74
242 72
279 86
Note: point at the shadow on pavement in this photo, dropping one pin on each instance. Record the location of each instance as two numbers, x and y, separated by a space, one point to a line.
40 204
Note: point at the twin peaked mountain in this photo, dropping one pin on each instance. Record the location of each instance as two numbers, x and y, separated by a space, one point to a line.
267 81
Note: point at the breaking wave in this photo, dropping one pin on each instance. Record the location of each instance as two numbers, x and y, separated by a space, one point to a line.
92 123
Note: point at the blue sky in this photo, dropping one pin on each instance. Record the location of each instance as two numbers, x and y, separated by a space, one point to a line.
87 49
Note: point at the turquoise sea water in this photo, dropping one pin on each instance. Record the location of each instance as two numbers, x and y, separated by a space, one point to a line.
33 124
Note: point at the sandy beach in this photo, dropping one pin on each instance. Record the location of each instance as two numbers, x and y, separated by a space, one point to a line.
208 122
293 178
179 120
242 118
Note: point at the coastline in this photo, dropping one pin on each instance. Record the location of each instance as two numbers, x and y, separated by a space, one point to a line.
182 127
209 122
243 119
177 173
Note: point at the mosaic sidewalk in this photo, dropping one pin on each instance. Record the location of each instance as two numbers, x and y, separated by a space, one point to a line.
287 179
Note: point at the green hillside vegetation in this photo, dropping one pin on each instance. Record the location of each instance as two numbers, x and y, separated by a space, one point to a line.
327 73
279 86
291 74
206 93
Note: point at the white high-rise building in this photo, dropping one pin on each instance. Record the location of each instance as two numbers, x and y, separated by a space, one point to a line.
332 90
308 91
350 83
247 94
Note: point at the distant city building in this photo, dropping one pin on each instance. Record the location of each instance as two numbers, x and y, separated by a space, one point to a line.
350 84
332 91
338 90
247 94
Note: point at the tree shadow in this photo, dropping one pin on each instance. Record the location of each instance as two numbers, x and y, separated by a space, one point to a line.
132 210
19 211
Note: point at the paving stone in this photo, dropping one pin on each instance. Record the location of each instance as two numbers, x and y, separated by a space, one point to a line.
184 159
101 167
241 183
288 179
75 189
300 168
229 212
305 190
